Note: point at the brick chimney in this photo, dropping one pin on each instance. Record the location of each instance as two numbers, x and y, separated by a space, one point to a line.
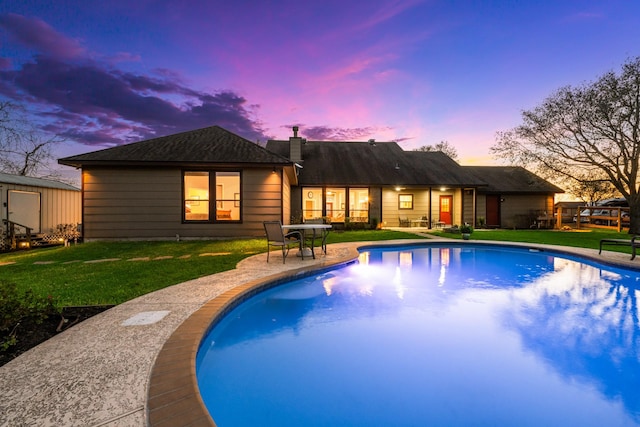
295 146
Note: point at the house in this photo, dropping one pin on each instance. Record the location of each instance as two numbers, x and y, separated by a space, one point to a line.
35 203
211 183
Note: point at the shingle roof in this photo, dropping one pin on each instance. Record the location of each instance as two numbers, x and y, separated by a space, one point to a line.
382 163
511 179
34 182
211 145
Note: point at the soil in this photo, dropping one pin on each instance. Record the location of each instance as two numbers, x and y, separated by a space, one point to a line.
30 335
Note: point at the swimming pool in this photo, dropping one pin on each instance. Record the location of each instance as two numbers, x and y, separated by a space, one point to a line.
435 335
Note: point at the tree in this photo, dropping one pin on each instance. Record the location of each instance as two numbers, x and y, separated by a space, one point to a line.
579 133
443 146
24 150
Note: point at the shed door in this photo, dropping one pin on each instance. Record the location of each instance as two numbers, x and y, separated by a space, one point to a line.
493 211
24 209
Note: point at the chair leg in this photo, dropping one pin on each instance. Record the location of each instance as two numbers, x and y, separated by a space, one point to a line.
284 254
268 251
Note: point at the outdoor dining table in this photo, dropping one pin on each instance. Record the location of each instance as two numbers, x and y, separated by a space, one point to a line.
317 230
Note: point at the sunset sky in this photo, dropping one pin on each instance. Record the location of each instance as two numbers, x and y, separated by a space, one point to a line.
101 73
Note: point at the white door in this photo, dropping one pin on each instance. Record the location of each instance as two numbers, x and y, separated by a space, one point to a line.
24 209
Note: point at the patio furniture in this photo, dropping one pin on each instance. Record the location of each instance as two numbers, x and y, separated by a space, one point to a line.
317 230
622 242
404 222
277 237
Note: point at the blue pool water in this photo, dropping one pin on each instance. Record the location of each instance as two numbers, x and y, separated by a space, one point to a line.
433 336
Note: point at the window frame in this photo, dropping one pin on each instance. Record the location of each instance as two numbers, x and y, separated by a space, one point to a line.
400 201
214 201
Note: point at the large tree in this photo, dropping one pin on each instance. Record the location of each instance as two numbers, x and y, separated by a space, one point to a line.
583 132
24 149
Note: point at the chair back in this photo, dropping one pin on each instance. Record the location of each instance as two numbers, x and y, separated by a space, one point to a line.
274 231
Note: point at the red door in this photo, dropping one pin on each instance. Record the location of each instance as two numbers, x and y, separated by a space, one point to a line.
446 202
493 211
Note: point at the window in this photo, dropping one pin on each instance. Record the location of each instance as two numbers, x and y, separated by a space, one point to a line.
196 196
228 196
405 201
311 202
197 201
336 204
359 204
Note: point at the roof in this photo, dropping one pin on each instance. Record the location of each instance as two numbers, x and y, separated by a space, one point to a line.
30 181
511 179
211 145
379 163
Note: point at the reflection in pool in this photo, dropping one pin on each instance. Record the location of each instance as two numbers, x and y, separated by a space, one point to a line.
433 335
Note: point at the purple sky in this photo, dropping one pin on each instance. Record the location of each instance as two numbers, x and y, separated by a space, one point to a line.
417 72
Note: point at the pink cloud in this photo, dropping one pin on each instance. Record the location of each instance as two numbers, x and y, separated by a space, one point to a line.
37 34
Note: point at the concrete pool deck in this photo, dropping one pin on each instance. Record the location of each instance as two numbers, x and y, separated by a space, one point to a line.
101 372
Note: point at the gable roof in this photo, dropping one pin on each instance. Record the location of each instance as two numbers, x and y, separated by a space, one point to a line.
511 179
30 181
211 145
379 163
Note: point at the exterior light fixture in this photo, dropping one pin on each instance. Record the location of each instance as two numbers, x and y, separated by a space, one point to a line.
443 188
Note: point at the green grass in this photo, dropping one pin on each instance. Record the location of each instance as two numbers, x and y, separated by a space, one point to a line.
63 274
581 239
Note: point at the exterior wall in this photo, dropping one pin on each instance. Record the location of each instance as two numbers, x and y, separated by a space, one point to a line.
375 203
286 199
481 207
421 207
468 214
516 211
57 206
146 203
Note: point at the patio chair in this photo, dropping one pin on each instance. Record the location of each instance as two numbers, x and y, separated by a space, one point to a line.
277 237
404 222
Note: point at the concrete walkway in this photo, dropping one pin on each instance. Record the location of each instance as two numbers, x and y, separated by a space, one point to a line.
97 373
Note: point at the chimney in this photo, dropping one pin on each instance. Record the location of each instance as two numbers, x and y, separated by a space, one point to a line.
295 146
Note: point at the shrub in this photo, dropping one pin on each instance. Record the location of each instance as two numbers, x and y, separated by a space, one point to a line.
18 308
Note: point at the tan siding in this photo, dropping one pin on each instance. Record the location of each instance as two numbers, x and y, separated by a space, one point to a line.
516 210
147 204
57 206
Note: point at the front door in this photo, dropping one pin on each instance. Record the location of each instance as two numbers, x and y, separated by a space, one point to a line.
446 202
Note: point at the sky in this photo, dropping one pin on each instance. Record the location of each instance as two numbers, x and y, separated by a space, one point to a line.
103 73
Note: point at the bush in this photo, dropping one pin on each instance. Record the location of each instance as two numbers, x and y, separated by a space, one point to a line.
18 308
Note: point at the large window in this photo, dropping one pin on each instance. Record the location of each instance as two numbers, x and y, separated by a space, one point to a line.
198 204
336 204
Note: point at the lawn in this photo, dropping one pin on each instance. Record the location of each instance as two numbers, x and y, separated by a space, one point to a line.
586 238
130 269
98 273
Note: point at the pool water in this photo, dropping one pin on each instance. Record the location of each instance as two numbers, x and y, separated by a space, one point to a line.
432 336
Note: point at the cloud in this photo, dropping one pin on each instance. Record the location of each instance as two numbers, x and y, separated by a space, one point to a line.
37 34
95 103
325 133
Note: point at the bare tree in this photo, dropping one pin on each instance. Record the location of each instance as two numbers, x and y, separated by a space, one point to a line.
443 146
581 132
24 150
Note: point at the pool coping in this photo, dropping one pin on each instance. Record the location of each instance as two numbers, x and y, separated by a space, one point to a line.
173 397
